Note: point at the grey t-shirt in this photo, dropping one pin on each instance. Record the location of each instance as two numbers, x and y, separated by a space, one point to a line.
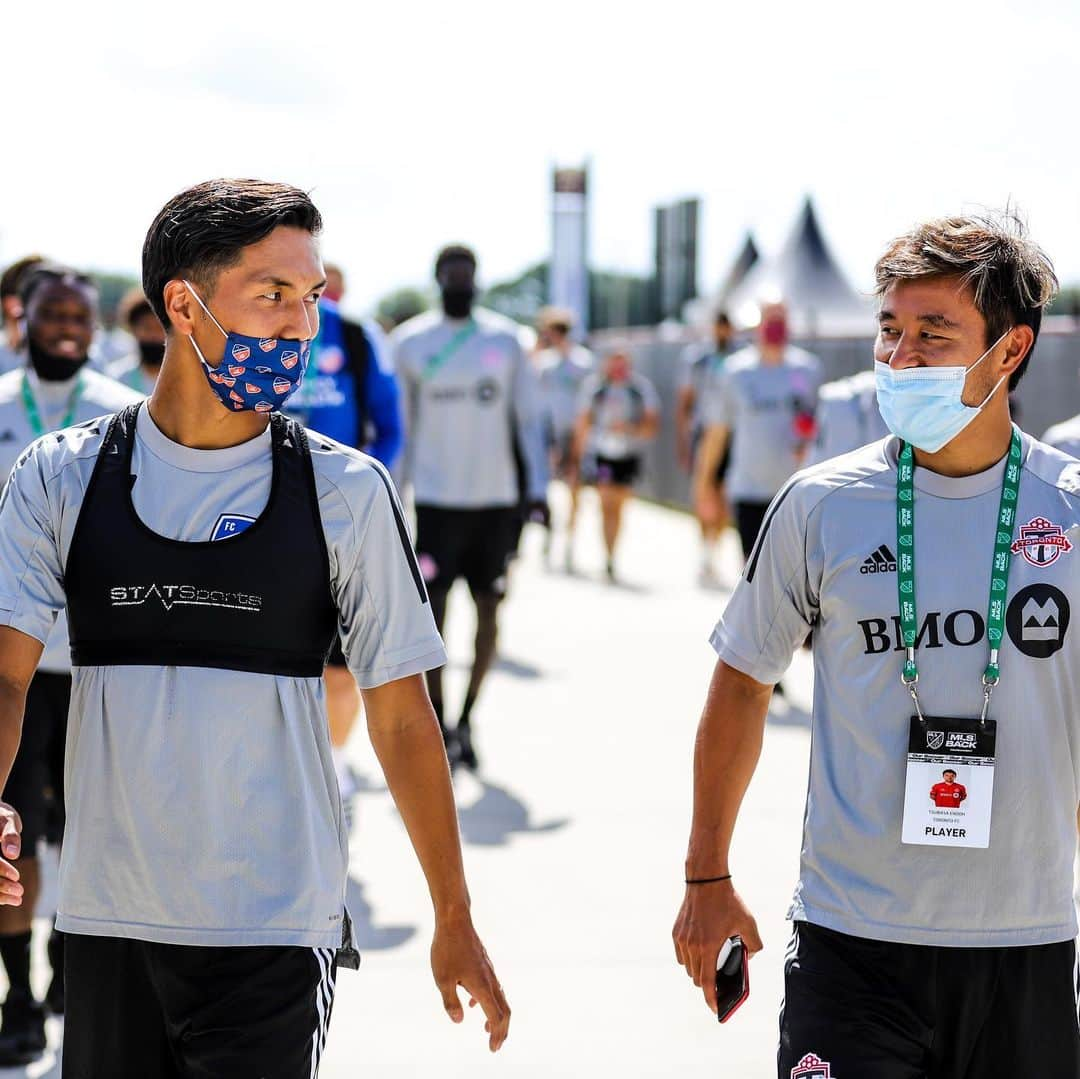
464 414
202 804
758 404
610 404
815 567
98 396
699 368
1065 437
561 378
847 417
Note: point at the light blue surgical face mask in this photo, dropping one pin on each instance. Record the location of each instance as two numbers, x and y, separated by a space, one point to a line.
924 405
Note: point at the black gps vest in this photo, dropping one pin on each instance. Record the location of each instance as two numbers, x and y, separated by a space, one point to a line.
258 601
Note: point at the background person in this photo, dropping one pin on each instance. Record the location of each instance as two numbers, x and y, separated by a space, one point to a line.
53 388
699 370
472 413
618 413
350 394
141 369
894 971
11 311
763 402
563 367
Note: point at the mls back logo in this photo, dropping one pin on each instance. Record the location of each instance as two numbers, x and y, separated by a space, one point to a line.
231 524
812 1067
935 739
1041 543
1038 620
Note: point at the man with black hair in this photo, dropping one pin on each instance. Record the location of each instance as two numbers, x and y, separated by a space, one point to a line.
471 405
11 311
140 371
958 647
53 388
700 368
209 550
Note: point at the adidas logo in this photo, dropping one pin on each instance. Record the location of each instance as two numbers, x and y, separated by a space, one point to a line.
881 561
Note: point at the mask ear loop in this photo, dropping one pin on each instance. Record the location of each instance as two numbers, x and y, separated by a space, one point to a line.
997 385
209 313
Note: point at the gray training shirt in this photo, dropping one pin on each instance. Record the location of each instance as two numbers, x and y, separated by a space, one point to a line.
463 414
826 560
610 405
560 380
758 403
847 417
202 805
98 396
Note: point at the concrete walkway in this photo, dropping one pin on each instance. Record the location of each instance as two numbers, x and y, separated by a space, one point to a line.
575 832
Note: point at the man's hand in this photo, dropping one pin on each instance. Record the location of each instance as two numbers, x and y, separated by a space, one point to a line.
710 915
458 959
11 891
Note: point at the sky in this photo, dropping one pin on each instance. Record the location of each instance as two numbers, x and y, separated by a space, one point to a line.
418 124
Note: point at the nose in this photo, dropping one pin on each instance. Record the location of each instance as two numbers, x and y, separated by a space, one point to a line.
901 355
303 322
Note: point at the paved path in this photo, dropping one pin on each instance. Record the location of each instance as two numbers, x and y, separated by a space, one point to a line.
574 833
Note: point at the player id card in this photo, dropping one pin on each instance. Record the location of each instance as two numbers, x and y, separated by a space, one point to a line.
950 782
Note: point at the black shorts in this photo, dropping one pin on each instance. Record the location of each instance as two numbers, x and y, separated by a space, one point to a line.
473 544
136 1010
35 787
617 471
749 517
876 1010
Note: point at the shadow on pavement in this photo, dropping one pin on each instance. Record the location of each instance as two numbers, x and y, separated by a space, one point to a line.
498 814
369 936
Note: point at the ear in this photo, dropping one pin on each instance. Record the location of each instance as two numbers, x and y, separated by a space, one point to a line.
1017 346
181 306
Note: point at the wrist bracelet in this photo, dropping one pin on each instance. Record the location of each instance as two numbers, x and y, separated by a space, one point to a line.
709 880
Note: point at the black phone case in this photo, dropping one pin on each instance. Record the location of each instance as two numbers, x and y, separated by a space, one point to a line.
732 982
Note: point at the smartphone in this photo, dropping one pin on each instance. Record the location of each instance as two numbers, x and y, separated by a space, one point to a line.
732 979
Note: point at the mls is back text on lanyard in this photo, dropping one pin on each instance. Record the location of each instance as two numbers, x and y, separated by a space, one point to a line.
950 773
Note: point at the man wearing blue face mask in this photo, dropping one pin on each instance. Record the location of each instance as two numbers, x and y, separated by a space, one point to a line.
938 570
209 551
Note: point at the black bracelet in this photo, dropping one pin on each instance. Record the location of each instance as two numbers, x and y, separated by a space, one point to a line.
709 880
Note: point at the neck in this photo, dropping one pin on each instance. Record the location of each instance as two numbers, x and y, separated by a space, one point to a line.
978 447
771 354
186 411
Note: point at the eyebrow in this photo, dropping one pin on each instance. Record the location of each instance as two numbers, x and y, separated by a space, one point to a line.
280 282
930 319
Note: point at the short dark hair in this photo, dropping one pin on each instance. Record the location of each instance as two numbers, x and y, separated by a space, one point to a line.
51 273
1011 278
949 772
454 253
721 319
203 230
9 279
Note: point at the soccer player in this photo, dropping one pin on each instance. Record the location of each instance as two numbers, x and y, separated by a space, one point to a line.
53 388
948 794
209 551
763 401
700 368
11 311
968 645
618 414
140 371
563 367
472 409
1065 436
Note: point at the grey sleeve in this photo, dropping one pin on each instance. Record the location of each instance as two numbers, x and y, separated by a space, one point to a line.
387 629
649 397
31 571
718 408
528 426
775 603
409 392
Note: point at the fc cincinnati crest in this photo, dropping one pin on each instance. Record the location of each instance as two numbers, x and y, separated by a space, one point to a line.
1041 542
812 1067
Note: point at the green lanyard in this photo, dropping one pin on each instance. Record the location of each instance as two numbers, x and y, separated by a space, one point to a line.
34 416
999 571
442 357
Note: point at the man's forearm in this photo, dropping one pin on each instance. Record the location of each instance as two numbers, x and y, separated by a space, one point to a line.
413 760
712 449
725 756
12 704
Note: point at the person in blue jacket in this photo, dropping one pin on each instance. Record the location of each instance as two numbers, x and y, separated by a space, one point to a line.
350 394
